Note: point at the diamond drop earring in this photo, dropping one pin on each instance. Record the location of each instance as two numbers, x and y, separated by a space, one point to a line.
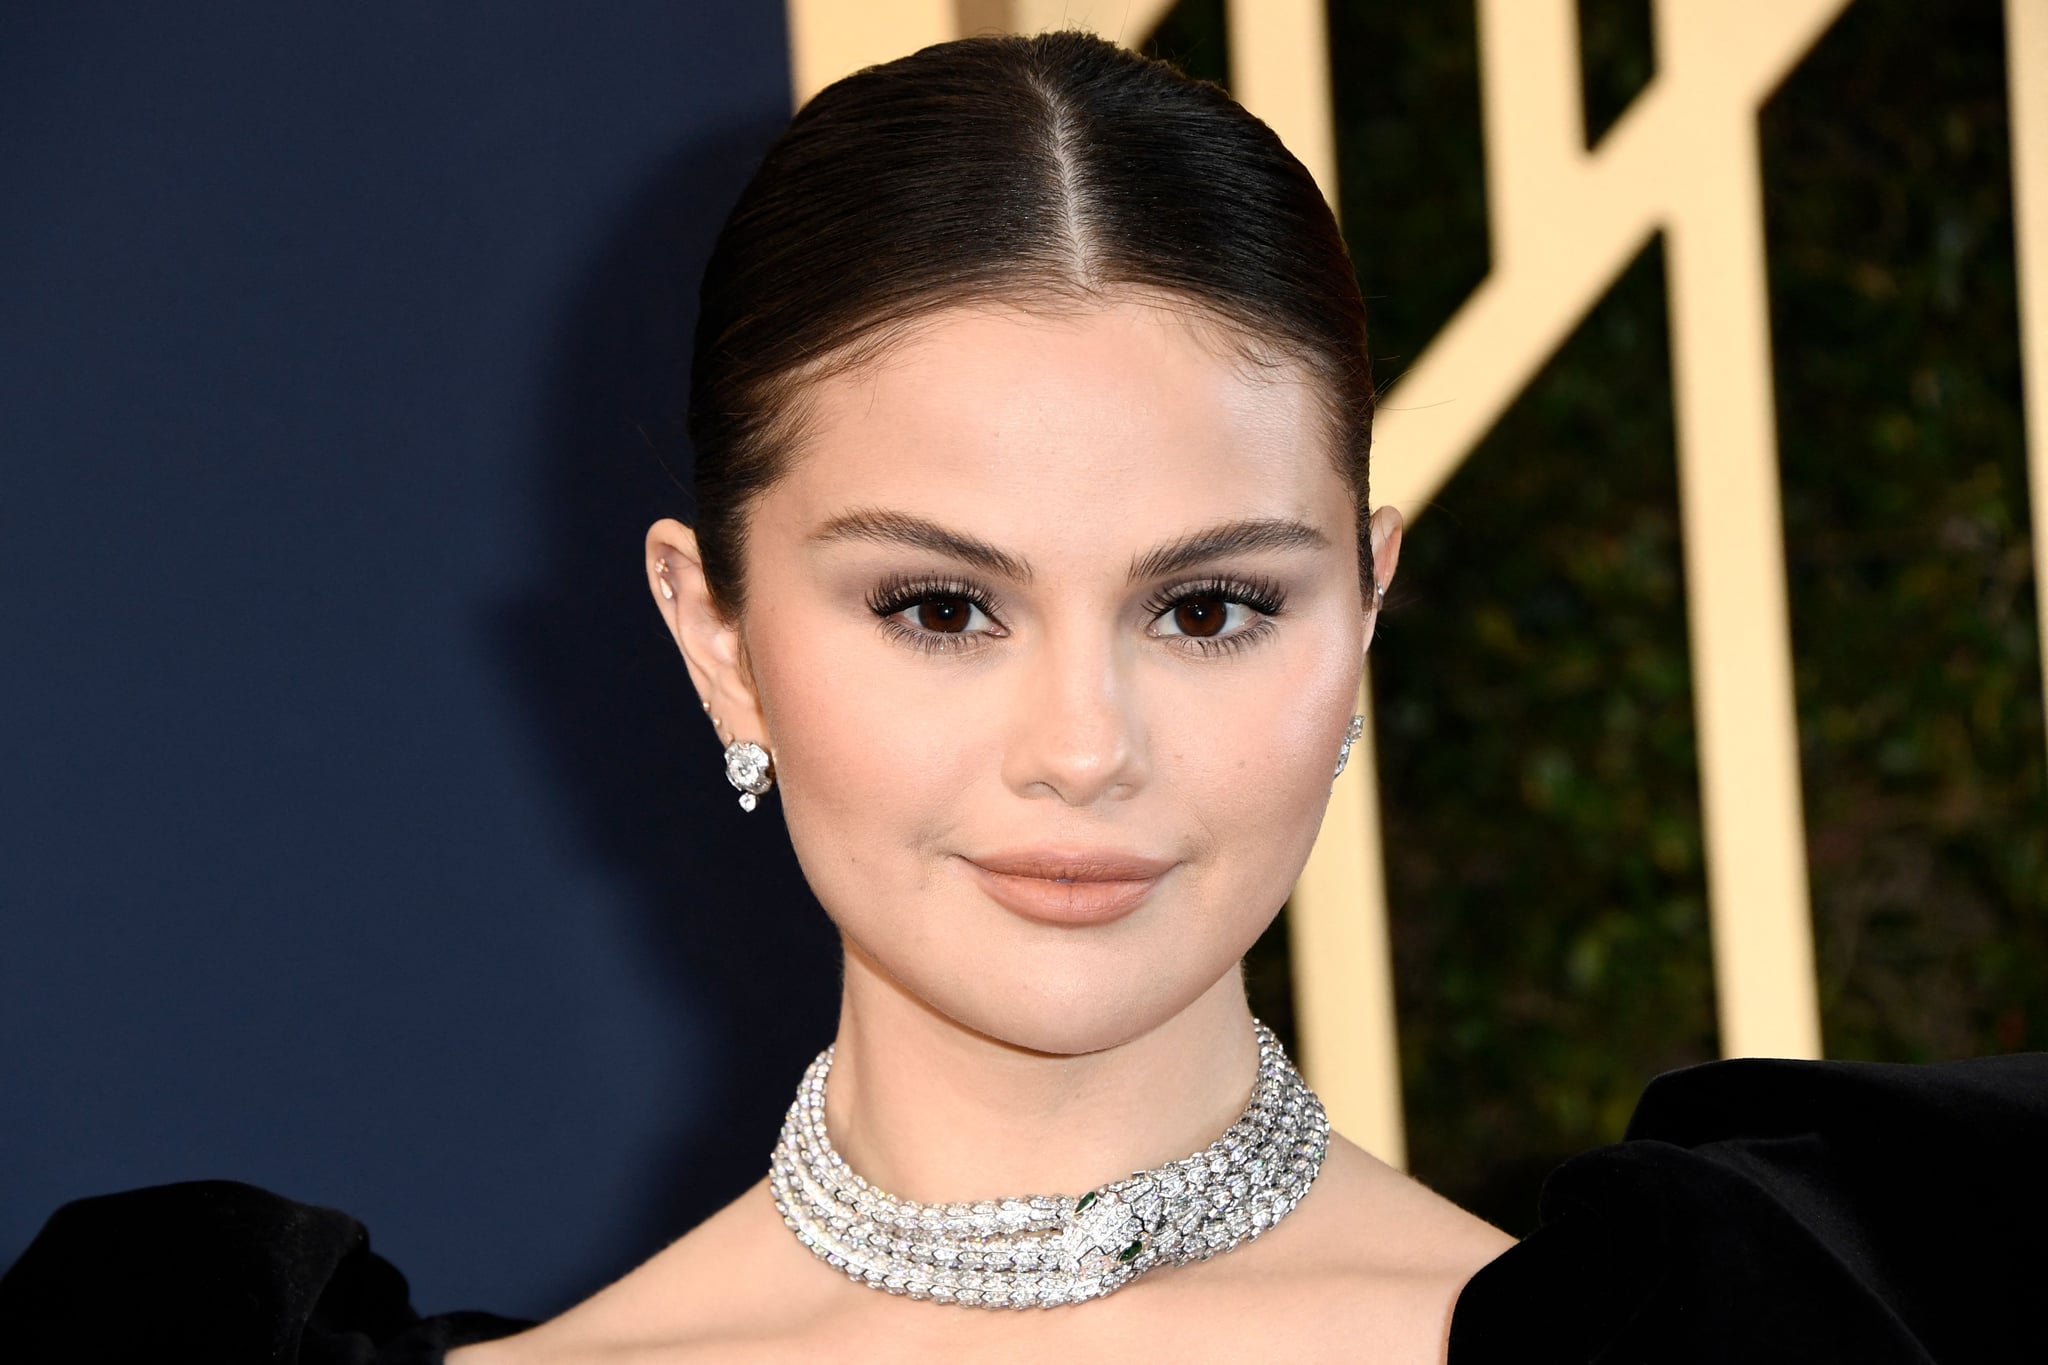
747 768
1351 735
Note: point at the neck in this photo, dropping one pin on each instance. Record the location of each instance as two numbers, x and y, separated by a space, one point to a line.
934 1112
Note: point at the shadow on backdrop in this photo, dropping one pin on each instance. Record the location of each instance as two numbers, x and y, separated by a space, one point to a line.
720 906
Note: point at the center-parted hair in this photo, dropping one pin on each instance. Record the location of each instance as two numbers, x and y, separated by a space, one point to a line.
1053 172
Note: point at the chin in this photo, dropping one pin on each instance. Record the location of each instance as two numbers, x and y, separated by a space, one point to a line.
1068 1003
1096 1027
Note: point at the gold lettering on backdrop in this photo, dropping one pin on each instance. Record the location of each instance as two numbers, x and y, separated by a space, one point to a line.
1565 222
2026 61
1682 160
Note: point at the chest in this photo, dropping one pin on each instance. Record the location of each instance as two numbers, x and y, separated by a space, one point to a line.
1389 1321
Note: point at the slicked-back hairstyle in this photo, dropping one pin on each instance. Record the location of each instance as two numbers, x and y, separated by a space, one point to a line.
1053 172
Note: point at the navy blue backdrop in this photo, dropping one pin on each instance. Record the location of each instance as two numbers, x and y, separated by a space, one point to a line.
359 834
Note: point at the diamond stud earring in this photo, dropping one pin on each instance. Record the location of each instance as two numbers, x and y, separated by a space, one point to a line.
1351 736
747 768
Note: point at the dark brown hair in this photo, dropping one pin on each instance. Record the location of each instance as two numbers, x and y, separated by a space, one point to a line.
1048 172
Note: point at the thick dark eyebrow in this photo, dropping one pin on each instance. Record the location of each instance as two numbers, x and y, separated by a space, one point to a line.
1212 542
1224 539
900 528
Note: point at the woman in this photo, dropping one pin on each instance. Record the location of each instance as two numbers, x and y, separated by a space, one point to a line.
1034 570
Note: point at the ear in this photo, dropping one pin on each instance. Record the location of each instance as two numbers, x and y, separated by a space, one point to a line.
1384 534
711 646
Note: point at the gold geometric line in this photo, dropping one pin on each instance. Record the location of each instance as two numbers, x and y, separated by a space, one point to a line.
2026 49
1734 547
1342 961
1598 213
1129 22
833 38
1280 71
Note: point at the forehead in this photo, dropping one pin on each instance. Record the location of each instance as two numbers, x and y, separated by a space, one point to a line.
1126 415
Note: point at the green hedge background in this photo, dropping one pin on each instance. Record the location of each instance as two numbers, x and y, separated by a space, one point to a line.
1536 742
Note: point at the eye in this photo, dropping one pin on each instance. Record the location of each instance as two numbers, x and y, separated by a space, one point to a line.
935 614
944 615
1206 617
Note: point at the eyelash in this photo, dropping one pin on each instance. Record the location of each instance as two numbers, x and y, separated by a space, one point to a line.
895 595
1261 595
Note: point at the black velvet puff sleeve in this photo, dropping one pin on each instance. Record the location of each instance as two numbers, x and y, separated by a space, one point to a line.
1768 1211
219 1272
1757 1212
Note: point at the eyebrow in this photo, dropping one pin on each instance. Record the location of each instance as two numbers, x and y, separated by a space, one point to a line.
1227 538
900 528
1243 536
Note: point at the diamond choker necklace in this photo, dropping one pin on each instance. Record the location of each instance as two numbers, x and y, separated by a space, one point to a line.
1041 1251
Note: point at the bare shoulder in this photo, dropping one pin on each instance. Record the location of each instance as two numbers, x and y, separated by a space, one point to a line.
1384 1221
1372 1255
733 1285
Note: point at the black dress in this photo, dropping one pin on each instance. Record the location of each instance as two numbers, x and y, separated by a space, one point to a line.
1757 1211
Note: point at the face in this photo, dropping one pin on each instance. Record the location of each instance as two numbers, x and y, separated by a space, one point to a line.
1053 629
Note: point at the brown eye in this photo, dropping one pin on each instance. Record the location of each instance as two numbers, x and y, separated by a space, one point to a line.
945 615
1201 617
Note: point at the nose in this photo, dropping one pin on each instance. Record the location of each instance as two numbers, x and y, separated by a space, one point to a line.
1078 733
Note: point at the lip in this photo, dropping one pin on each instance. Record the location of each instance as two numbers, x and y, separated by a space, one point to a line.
1069 886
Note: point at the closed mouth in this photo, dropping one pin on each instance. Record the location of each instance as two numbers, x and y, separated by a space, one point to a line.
1069 888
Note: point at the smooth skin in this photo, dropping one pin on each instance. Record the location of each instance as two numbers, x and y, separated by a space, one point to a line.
961 639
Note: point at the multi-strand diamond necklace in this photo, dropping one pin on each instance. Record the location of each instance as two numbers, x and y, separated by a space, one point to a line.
1041 1251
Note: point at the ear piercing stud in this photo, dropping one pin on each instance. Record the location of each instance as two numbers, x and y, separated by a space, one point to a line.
747 765
748 768
666 590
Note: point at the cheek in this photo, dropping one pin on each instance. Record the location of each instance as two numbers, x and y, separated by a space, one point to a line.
1254 761
868 771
